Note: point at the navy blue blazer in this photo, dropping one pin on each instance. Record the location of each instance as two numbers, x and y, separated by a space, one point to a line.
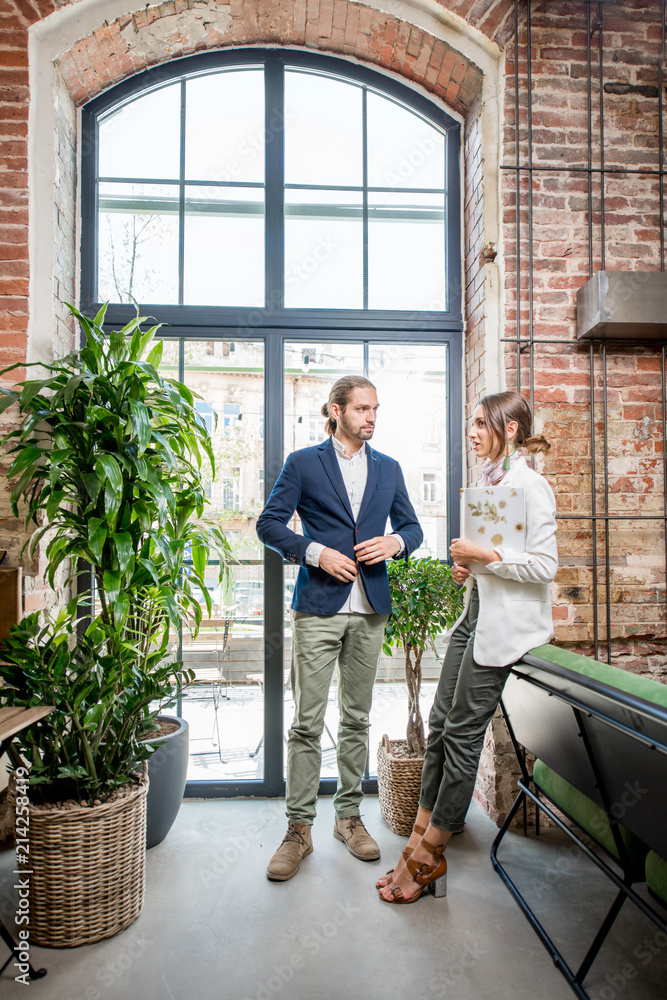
312 484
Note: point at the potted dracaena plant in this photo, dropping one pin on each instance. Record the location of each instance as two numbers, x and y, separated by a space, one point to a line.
425 602
108 461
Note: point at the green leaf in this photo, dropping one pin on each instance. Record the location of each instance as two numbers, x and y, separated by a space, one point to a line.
71 387
30 456
97 536
155 356
118 345
92 716
107 466
99 319
199 558
31 389
149 566
141 424
111 504
124 548
7 399
121 608
93 485
112 583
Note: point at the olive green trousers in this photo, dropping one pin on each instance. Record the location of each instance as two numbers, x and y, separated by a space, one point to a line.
319 642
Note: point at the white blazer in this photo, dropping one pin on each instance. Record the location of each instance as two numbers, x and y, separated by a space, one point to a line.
514 600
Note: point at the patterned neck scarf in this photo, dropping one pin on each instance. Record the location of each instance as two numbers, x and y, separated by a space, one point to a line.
493 472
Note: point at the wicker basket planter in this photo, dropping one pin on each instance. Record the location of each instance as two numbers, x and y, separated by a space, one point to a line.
86 868
399 781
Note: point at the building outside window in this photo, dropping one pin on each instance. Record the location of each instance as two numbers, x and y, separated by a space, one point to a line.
430 491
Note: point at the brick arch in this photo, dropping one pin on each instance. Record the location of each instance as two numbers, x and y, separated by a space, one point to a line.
487 16
144 38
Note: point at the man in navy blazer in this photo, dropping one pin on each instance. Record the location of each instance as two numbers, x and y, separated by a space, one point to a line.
344 493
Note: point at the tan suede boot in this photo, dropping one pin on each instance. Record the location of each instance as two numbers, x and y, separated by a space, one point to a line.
297 845
356 838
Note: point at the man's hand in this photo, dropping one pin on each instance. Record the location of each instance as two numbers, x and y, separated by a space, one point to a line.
375 550
338 565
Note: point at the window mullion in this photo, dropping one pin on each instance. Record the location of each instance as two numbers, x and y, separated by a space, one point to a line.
181 200
274 134
364 139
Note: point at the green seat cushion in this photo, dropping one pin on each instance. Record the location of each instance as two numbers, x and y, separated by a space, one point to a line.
641 687
656 875
589 816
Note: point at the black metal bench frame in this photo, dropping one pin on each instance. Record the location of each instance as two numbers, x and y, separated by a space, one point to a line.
594 708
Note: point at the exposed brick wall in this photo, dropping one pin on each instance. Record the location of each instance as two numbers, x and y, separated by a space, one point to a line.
561 373
631 43
14 268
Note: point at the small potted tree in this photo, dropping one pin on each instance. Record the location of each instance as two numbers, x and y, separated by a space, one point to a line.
108 465
425 602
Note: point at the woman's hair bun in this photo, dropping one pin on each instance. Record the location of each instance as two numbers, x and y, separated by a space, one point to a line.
536 443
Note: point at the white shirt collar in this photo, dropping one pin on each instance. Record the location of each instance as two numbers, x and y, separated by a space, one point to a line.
340 449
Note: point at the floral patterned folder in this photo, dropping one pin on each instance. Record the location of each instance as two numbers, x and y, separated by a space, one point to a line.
493 515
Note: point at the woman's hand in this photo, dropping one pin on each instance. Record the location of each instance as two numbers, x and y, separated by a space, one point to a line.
460 574
464 552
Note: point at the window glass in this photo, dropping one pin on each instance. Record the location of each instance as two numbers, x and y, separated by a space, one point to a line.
224 246
323 250
406 252
404 151
323 131
225 137
142 138
138 239
225 703
346 244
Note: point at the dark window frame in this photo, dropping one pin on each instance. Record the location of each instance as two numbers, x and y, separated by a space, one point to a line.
218 318
275 325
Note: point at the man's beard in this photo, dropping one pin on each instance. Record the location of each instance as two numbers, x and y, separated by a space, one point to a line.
360 435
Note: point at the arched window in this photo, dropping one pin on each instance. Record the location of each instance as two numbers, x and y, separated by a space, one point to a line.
290 218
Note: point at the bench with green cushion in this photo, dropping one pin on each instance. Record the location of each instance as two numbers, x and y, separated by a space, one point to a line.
600 738
656 875
579 807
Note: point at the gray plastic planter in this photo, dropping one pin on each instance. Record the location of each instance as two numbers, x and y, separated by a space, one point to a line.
167 773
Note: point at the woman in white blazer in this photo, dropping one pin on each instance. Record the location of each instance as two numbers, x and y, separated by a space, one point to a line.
507 611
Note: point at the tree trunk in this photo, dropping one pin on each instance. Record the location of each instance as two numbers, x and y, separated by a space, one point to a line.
413 677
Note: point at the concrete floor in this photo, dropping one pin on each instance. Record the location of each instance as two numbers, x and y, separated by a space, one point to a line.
213 927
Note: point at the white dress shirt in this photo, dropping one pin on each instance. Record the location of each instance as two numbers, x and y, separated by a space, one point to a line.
354 470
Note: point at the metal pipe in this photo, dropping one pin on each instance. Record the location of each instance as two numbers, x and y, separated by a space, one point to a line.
602 175
517 150
661 144
566 169
589 140
529 96
606 499
593 502
664 435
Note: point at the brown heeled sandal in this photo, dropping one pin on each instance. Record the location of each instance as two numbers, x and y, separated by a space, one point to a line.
404 854
431 877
